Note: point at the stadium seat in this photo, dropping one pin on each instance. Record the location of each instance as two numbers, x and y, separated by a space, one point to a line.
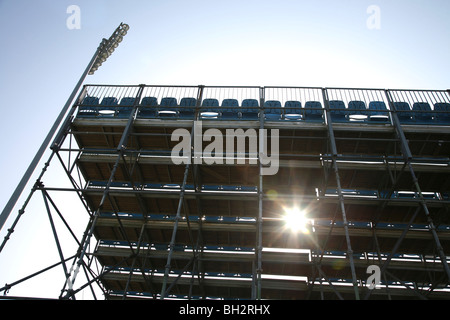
108 107
442 117
272 110
211 187
153 186
168 107
378 111
422 112
249 188
210 108
187 108
404 113
89 107
125 107
250 109
313 111
229 188
337 111
293 110
148 108
230 109
357 110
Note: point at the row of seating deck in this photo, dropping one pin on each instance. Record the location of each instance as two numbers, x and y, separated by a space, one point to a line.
253 189
421 112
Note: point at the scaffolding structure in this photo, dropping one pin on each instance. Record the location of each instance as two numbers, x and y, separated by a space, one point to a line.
370 168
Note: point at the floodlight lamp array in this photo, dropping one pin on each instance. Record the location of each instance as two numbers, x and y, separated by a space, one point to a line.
107 46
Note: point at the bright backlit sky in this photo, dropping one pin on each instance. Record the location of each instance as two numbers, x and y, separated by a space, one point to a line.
246 42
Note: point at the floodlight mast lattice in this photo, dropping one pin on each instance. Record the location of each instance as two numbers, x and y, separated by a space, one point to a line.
105 49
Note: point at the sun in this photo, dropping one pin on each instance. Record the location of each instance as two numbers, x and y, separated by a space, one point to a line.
295 220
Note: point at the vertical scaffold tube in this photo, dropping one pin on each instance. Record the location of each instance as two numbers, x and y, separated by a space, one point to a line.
340 195
408 159
174 233
181 199
91 226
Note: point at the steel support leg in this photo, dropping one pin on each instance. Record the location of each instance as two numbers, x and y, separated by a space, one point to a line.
430 223
259 220
408 158
174 233
340 195
181 201
92 224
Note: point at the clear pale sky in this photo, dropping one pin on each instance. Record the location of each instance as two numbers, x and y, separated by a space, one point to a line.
246 42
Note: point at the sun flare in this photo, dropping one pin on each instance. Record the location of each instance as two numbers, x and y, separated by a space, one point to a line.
296 220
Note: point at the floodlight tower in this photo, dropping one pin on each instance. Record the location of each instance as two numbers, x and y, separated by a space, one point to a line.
105 49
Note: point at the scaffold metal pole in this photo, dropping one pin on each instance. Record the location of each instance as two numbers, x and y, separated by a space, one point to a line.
259 220
194 133
121 149
422 202
334 158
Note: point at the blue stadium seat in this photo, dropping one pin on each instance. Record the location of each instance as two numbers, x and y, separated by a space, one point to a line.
293 110
148 108
357 110
178 247
404 114
187 108
153 186
88 107
422 112
378 111
108 107
230 109
168 107
442 117
125 107
97 184
162 247
210 108
313 111
229 188
249 188
211 187
171 186
272 110
250 109
337 111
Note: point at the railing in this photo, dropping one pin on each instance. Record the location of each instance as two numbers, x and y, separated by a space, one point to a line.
421 106
358 105
294 104
279 104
